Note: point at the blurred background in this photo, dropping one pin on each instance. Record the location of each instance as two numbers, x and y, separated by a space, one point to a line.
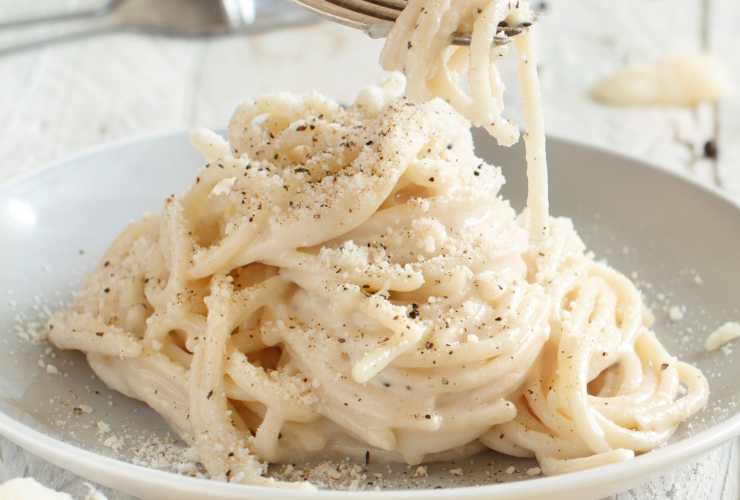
79 73
133 67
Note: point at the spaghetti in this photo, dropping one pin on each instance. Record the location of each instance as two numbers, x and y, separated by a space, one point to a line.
344 279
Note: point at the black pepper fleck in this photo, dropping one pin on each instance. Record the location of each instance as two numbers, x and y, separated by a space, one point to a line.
710 149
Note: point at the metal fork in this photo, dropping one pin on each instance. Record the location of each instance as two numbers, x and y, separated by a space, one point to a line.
179 18
376 18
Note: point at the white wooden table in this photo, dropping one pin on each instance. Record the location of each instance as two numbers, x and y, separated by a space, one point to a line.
56 101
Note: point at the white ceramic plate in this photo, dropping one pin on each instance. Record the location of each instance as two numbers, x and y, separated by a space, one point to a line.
56 223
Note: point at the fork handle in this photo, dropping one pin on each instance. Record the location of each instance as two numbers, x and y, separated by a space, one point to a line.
271 15
30 37
106 8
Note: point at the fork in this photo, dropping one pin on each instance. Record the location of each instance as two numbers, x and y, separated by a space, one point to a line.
376 18
176 18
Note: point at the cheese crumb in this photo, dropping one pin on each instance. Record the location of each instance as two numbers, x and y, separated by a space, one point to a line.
223 187
722 335
421 471
675 313
115 443
534 471
84 409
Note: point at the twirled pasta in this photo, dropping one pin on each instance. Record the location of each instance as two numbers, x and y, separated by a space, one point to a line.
344 279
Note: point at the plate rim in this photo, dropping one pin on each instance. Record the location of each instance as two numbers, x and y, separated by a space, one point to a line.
74 458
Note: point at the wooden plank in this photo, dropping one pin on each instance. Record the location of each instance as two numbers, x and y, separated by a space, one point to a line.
711 477
339 63
66 98
583 44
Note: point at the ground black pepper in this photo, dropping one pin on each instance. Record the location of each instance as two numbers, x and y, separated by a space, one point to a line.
710 149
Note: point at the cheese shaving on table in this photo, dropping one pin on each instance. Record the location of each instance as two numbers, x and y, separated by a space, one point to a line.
679 80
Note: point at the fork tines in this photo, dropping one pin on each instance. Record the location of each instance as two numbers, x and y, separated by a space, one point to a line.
376 17
386 10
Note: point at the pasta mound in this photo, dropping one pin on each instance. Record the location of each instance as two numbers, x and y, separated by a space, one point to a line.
341 279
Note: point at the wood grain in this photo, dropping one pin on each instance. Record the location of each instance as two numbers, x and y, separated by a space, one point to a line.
60 100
